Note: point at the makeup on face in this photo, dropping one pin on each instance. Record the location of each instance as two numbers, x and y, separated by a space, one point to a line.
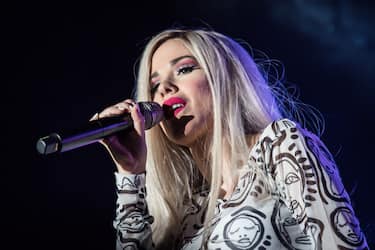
181 65
174 105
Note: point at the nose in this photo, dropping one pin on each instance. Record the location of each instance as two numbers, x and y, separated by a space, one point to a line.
167 87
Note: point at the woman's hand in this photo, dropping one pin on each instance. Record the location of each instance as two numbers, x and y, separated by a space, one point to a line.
127 149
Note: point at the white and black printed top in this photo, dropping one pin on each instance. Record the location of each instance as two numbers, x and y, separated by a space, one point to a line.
306 208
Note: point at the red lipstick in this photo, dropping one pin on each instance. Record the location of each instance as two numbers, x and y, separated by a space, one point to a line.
174 105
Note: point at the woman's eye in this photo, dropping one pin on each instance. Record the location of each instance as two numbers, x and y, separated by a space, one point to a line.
186 69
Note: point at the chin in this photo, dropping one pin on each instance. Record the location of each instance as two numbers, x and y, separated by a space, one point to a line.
182 140
188 138
184 131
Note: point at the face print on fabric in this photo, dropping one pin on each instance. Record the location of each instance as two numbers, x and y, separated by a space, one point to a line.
286 229
293 181
245 229
347 226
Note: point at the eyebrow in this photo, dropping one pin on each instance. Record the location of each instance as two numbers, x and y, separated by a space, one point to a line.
173 62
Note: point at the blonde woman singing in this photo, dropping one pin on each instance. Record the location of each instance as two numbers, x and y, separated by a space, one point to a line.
233 166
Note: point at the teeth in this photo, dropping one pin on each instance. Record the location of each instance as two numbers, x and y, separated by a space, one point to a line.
177 105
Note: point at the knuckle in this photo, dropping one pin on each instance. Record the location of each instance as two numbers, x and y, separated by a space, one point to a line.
128 101
120 106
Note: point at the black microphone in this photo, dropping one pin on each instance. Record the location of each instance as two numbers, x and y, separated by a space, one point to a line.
98 129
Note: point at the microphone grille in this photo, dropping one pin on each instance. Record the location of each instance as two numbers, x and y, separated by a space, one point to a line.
152 112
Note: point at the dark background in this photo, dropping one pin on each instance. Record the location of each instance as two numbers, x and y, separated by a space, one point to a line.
62 64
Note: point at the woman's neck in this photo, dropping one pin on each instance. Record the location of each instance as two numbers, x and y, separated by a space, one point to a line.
229 177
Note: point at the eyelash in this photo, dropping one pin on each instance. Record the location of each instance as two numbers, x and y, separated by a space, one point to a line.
182 70
186 69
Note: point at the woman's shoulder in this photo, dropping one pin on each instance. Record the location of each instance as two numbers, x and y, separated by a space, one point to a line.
282 131
278 128
287 138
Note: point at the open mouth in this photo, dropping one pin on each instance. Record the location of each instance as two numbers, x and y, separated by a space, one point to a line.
177 108
173 106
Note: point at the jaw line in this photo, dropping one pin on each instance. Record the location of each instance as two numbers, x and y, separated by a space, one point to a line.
177 126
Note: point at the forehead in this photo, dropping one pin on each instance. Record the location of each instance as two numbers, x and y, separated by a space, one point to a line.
167 51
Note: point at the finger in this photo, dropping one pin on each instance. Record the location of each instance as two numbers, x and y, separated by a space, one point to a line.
115 110
129 101
138 119
137 116
122 106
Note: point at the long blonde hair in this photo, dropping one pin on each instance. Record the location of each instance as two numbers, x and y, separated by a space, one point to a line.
243 103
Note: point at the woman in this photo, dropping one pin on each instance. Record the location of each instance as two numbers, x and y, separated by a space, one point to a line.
229 168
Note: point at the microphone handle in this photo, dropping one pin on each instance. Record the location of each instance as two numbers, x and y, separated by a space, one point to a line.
93 132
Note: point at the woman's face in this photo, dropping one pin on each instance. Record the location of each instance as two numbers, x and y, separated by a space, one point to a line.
179 84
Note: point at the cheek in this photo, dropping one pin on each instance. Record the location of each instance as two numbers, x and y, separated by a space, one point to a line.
203 85
156 99
204 95
203 103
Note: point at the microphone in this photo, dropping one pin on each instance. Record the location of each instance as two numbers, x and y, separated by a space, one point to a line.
98 129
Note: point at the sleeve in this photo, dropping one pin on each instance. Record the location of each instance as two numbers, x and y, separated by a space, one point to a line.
132 221
308 184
